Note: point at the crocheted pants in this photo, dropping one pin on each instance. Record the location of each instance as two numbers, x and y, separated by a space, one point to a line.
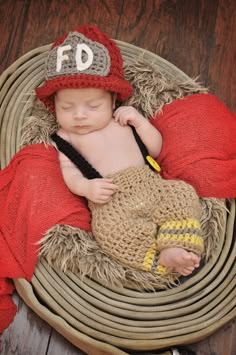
146 215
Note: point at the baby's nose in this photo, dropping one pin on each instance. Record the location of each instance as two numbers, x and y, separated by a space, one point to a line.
79 114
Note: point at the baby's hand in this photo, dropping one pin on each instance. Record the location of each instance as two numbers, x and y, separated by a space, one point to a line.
128 115
100 190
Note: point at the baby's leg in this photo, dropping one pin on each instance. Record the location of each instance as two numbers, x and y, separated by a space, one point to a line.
130 242
123 227
124 234
179 238
179 260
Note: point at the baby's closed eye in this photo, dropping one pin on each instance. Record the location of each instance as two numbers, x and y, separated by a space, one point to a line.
66 108
94 106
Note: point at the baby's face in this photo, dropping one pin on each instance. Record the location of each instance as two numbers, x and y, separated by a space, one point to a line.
83 111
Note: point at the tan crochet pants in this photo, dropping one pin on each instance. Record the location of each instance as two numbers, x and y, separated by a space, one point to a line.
146 215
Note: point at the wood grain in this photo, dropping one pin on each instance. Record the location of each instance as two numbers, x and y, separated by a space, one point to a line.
60 346
27 335
42 22
12 18
179 31
222 74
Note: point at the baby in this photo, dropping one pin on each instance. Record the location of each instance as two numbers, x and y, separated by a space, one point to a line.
137 217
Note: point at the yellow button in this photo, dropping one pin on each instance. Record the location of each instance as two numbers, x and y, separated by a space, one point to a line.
153 163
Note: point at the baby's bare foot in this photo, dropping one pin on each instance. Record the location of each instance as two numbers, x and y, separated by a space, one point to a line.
179 260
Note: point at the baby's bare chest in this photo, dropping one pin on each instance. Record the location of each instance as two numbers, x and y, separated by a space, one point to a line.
111 150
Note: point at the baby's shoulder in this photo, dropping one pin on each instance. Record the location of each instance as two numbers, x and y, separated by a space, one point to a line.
63 134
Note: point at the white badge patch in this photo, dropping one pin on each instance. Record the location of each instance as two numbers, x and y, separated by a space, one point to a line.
61 56
78 55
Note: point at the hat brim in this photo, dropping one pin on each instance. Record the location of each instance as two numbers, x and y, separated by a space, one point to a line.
120 86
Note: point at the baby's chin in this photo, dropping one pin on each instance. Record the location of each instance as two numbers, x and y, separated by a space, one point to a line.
82 129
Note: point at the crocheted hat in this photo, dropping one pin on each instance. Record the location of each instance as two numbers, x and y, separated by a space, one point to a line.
84 58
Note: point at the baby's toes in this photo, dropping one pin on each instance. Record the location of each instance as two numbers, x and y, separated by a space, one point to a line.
186 271
183 258
187 261
195 258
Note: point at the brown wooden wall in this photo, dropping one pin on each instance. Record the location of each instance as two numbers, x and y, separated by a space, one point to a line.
198 36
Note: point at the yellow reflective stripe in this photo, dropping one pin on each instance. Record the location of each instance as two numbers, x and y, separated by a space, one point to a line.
161 270
185 223
149 257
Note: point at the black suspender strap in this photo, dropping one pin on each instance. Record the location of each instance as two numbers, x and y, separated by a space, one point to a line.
142 147
147 158
82 164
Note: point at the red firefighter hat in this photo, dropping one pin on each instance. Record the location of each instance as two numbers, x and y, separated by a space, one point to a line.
84 58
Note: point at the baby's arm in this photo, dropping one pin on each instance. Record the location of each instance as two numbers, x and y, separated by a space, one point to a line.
96 190
149 135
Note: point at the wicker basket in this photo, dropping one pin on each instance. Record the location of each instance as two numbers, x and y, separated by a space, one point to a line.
102 320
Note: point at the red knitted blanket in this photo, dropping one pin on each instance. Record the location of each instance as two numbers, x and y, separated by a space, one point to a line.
33 198
199 144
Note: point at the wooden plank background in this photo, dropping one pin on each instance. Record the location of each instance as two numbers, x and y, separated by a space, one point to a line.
198 36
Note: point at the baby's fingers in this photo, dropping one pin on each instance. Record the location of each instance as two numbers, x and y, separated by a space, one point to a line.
108 185
104 198
121 115
121 119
